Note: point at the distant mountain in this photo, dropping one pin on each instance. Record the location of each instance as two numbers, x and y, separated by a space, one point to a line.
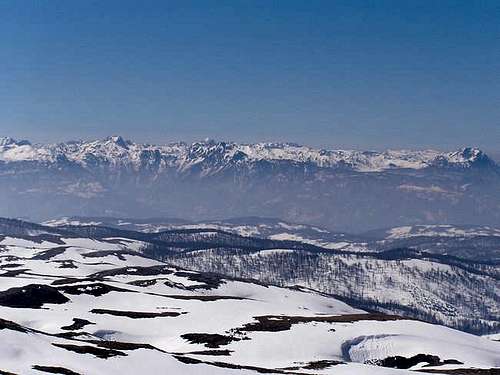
342 190
211 156
476 243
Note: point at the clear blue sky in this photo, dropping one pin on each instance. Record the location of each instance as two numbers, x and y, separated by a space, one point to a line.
360 74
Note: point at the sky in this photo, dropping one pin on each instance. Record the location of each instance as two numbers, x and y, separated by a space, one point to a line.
345 74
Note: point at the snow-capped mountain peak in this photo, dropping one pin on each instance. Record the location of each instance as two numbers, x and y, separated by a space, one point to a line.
5 141
115 150
468 156
118 140
8 141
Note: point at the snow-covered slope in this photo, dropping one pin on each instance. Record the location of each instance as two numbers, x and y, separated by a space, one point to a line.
444 230
216 155
476 242
74 305
250 226
434 275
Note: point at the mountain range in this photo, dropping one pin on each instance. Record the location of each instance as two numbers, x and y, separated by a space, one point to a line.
341 190
118 152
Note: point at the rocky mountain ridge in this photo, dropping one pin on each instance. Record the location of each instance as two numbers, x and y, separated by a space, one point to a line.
116 151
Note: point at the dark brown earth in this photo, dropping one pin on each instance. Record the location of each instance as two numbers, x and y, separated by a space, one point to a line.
77 324
136 314
54 370
31 296
94 289
276 323
209 340
87 349
405 363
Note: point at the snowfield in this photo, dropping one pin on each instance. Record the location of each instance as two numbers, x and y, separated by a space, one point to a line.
88 306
